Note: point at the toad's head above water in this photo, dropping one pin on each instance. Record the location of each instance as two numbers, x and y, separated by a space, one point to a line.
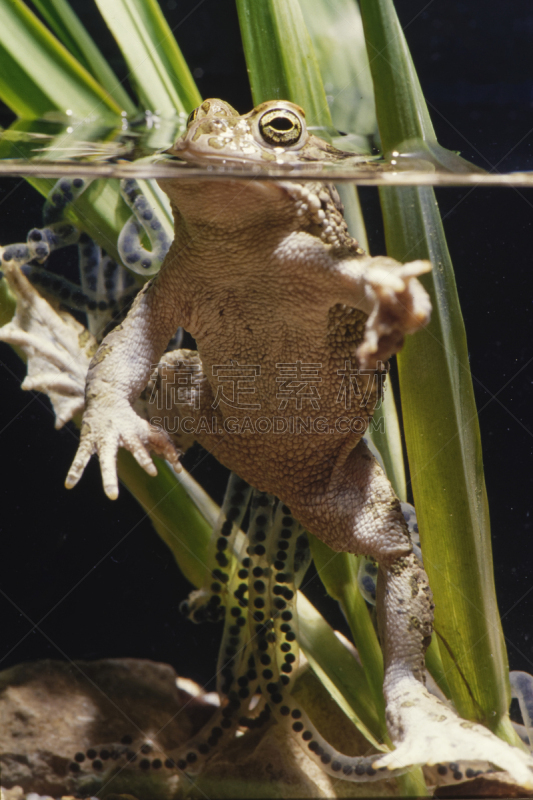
275 133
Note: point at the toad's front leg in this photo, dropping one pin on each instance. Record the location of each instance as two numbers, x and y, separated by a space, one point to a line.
117 375
389 293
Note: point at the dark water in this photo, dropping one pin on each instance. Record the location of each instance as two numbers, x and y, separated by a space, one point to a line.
87 578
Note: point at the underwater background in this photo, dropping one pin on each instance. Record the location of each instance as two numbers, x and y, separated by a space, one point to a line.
94 575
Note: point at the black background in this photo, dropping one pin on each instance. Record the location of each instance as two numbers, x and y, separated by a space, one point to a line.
83 577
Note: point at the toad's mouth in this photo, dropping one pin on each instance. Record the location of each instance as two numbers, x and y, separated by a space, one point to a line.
221 151
250 156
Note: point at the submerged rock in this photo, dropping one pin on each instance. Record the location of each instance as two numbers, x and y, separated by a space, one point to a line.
108 727
53 713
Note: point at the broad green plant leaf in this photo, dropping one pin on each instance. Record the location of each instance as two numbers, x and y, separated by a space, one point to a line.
157 68
340 673
180 510
72 33
7 306
405 126
338 573
439 413
39 76
336 31
386 436
284 65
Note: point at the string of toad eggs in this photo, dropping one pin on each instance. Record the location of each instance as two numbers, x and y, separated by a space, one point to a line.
105 287
259 648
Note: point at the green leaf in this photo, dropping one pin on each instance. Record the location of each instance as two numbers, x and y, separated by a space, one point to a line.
73 34
38 75
280 57
336 31
158 70
338 573
404 122
339 671
439 412
400 103
386 436
7 306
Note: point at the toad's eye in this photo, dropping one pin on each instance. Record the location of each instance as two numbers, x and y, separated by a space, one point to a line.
280 126
192 116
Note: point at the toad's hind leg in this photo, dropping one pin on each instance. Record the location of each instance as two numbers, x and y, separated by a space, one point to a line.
423 729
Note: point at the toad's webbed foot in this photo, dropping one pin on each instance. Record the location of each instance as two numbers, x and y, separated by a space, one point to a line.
58 347
423 729
426 731
111 421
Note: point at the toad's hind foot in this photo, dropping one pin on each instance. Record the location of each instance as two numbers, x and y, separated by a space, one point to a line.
426 731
